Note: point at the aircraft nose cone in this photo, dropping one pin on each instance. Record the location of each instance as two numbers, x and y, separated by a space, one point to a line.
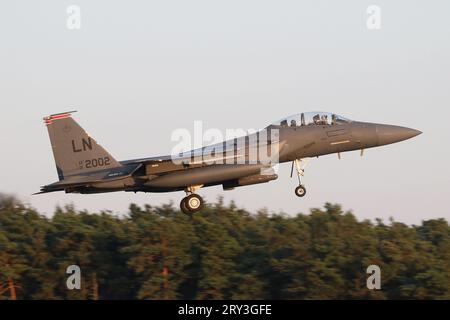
388 134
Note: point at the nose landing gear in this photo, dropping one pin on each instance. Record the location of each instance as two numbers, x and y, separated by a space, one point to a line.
192 203
300 191
300 165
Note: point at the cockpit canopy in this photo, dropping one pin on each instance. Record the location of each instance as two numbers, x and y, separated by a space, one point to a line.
312 118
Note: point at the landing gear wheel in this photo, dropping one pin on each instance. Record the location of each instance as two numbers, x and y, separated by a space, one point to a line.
192 204
184 208
300 191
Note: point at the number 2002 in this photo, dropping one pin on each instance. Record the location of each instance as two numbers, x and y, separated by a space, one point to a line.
95 163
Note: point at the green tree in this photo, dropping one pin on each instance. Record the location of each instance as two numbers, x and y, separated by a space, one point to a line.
160 254
222 252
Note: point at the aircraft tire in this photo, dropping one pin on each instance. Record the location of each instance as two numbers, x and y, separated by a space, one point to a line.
184 208
194 203
300 191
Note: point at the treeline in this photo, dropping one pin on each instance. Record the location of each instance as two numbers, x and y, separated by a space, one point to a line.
221 253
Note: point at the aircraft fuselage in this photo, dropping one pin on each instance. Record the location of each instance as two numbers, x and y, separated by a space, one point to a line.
85 167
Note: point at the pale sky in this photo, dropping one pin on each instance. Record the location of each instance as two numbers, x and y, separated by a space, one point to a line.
137 70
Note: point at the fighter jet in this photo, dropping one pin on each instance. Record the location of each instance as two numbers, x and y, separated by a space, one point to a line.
84 167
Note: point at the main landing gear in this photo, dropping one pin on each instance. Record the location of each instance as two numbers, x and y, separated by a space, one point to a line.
193 202
300 165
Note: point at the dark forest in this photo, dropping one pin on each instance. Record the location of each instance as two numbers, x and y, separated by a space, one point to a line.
223 252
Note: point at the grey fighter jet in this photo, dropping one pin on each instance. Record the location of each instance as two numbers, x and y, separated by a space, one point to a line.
85 167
